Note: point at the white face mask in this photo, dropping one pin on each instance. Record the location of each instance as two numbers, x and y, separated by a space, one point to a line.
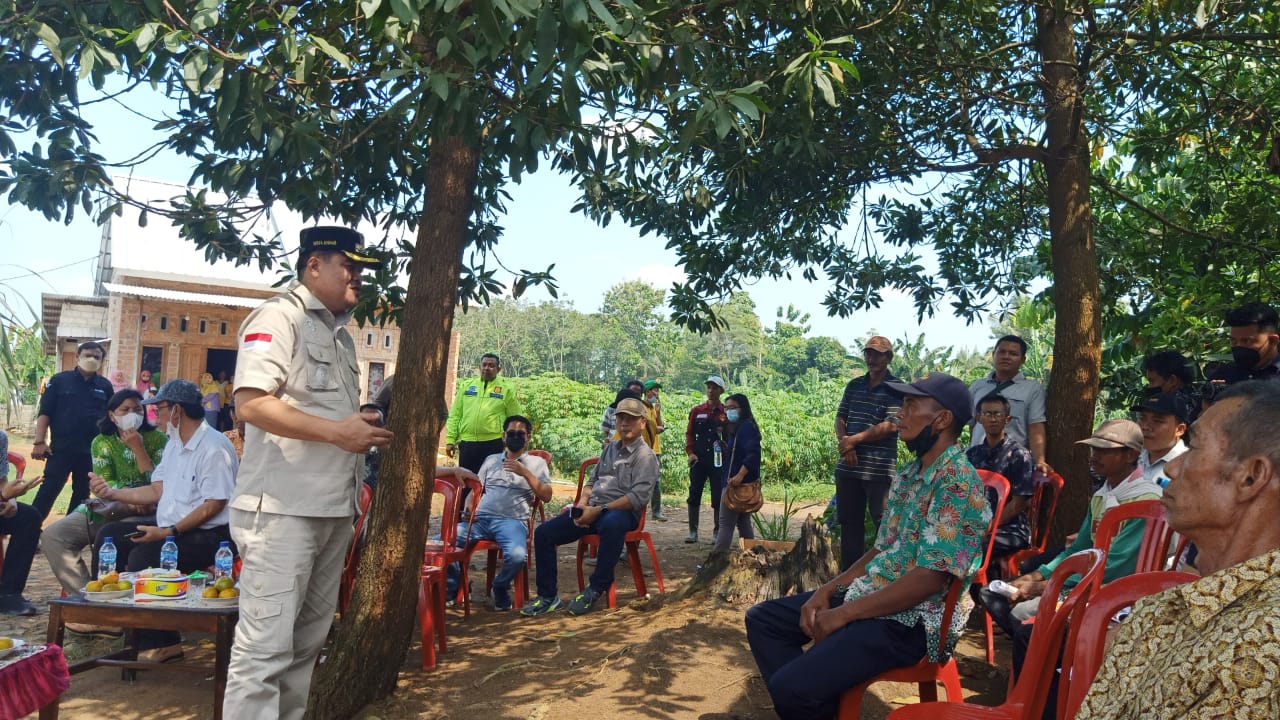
129 421
89 364
172 430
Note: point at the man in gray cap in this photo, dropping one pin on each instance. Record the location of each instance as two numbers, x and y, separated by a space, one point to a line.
298 392
867 439
703 446
620 487
1114 448
885 611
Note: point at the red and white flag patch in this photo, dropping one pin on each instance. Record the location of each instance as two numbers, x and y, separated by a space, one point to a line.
256 341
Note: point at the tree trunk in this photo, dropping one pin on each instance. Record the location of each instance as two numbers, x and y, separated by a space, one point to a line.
365 658
747 578
1073 381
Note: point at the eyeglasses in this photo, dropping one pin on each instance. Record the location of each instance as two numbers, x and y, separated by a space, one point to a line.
992 415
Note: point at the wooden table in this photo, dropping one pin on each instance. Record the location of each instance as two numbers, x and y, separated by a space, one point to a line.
218 621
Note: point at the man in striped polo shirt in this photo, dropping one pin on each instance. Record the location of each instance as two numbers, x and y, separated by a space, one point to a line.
868 442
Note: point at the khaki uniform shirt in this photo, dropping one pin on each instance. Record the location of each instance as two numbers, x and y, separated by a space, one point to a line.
292 347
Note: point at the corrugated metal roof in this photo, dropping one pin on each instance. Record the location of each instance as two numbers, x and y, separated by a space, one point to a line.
184 296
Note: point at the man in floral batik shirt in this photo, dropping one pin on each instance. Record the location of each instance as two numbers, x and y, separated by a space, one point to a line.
1210 648
885 611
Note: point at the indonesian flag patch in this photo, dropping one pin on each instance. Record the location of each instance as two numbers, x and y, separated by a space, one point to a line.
256 341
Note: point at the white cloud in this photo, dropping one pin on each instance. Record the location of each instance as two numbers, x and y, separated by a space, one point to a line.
658 275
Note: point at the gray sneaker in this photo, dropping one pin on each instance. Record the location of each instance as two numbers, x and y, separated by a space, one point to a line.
541 606
657 515
693 537
582 603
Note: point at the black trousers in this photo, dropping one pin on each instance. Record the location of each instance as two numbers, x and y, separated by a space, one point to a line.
57 467
854 497
471 456
699 473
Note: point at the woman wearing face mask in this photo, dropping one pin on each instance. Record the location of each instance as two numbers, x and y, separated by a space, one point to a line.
743 452
124 454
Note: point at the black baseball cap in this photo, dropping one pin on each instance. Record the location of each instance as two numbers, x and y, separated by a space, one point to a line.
950 392
1174 403
332 238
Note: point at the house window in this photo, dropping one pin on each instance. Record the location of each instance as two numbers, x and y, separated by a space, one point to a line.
182 324
204 326
368 339
164 322
222 328
386 341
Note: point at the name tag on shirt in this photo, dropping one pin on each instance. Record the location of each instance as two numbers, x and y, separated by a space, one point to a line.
471 391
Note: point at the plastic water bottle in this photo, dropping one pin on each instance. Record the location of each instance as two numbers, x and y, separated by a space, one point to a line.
169 554
718 455
106 558
222 560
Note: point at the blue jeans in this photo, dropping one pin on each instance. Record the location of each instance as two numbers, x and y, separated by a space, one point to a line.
807 685
512 536
612 527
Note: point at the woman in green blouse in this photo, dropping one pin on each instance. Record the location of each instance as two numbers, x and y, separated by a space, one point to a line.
124 454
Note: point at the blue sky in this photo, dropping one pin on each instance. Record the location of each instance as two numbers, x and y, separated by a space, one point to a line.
42 256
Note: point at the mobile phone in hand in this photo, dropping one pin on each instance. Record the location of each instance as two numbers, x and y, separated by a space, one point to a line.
135 534
575 512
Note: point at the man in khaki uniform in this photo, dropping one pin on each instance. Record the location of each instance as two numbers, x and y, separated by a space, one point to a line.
297 389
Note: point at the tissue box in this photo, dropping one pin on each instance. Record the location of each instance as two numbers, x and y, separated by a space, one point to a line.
150 586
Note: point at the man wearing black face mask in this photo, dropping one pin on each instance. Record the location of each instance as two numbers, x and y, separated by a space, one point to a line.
1254 342
885 611
512 479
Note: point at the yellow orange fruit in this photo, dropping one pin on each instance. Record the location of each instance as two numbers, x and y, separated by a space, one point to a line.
229 593
110 578
209 592
93 586
122 585
224 582
5 643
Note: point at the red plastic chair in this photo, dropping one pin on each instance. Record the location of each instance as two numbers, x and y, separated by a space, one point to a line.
448 550
1030 692
431 591
1086 645
431 579
1153 552
926 673
19 463
1040 520
353 554
1000 485
631 540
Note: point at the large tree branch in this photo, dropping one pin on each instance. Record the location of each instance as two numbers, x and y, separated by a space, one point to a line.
1159 217
1202 35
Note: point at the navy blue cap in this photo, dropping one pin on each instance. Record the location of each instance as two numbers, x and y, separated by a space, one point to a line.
950 392
334 238
1174 403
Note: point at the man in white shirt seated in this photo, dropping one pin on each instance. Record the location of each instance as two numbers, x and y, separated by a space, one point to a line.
191 486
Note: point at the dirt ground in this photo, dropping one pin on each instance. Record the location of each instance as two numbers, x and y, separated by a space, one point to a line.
642 660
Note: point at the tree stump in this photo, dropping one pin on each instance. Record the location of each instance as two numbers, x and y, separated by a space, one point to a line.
745 578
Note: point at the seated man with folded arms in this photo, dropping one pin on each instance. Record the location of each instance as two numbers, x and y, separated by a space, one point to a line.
620 487
1210 648
885 611
513 481
1001 454
1113 454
